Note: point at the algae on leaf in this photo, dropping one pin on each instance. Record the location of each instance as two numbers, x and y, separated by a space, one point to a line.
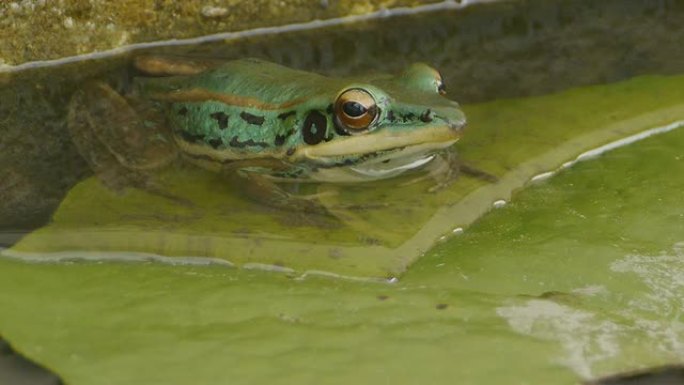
591 261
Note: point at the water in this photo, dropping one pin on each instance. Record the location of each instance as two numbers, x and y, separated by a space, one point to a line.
580 271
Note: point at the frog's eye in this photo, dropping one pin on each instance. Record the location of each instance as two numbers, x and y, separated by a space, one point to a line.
422 77
355 110
441 88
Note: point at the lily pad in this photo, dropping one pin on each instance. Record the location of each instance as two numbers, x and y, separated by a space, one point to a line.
579 276
394 222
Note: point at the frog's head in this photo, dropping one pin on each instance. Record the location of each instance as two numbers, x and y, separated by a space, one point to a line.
384 126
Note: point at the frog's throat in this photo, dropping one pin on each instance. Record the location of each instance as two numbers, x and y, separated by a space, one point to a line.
441 136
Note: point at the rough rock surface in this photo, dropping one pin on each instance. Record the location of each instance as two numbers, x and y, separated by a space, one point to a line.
41 29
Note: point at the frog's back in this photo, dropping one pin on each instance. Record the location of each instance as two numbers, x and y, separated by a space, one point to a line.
249 79
250 110
243 109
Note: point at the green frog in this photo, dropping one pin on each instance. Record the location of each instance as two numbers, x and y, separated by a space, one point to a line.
265 123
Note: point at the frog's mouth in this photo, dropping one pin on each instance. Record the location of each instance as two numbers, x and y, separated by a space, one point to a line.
437 137
379 156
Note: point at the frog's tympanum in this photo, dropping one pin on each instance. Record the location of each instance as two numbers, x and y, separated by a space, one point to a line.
267 123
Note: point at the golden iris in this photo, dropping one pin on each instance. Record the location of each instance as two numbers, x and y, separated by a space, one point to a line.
355 110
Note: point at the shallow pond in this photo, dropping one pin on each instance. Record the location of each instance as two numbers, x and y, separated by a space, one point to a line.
579 103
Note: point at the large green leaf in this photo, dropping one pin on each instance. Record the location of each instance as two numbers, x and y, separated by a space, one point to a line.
577 276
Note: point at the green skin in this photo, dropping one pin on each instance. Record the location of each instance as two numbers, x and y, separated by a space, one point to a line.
262 122
265 116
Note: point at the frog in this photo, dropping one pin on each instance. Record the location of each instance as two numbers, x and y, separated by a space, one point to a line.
264 124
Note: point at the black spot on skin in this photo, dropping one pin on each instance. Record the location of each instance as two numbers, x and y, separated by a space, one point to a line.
408 117
235 142
383 297
216 143
192 138
386 161
221 118
286 115
425 116
280 139
182 111
390 116
315 127
290 151
329 110
252 119
441 306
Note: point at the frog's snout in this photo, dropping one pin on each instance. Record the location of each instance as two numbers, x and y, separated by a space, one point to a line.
456 123
454 118
457 126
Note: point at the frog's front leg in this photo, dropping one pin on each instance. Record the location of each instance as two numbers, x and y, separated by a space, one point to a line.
262 190
447 167
259 188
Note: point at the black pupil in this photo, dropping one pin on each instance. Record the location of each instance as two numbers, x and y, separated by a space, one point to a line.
441 87
354 109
